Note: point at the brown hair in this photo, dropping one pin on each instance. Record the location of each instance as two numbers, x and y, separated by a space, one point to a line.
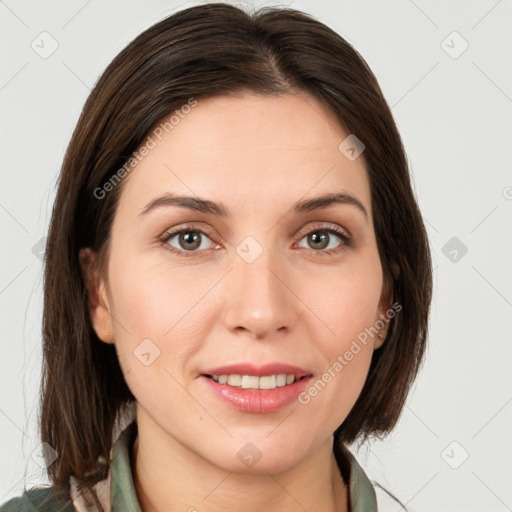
200 52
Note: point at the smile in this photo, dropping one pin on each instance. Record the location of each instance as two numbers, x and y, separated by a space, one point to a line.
254 389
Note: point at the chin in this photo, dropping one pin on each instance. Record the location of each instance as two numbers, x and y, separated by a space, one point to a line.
261 455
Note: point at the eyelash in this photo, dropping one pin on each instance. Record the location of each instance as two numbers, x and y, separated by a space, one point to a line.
334 230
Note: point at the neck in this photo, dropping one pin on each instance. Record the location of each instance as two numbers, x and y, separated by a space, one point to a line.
168 476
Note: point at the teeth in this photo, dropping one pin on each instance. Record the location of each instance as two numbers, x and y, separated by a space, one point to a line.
235 380
249 382
254 382
268 382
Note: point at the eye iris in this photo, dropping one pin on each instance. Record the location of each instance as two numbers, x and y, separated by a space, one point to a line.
323 239
190 237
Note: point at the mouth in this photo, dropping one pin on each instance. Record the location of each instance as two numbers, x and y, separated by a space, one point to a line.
254 389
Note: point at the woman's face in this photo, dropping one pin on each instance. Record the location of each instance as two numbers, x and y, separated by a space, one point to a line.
255 285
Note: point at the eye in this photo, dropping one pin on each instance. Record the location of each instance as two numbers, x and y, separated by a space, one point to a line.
321 238
186 240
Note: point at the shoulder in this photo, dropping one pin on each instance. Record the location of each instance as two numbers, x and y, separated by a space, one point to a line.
40 499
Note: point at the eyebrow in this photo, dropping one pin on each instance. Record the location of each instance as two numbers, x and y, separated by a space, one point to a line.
218 209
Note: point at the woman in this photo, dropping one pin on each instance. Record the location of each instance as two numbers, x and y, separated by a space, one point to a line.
237 275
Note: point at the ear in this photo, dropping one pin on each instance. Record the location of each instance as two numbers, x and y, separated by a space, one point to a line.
97 299
385 302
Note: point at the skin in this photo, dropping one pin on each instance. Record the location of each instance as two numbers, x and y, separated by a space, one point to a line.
257 155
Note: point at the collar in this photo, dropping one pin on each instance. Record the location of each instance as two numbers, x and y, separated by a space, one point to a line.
123 497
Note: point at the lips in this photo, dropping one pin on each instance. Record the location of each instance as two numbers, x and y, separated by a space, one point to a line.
257 389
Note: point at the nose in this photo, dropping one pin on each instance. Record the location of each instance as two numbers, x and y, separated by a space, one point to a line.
259 298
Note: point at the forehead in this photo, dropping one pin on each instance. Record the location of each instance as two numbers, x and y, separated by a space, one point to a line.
248 151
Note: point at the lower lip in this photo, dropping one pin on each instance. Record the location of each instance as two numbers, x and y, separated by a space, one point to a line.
258 400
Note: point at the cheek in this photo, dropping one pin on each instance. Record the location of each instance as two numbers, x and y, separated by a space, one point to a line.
152 298
156 307
348 305
153 343
347 302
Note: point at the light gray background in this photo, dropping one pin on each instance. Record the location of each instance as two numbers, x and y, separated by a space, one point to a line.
454 115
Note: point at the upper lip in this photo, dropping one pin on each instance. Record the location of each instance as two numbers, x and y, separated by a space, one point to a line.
258 371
